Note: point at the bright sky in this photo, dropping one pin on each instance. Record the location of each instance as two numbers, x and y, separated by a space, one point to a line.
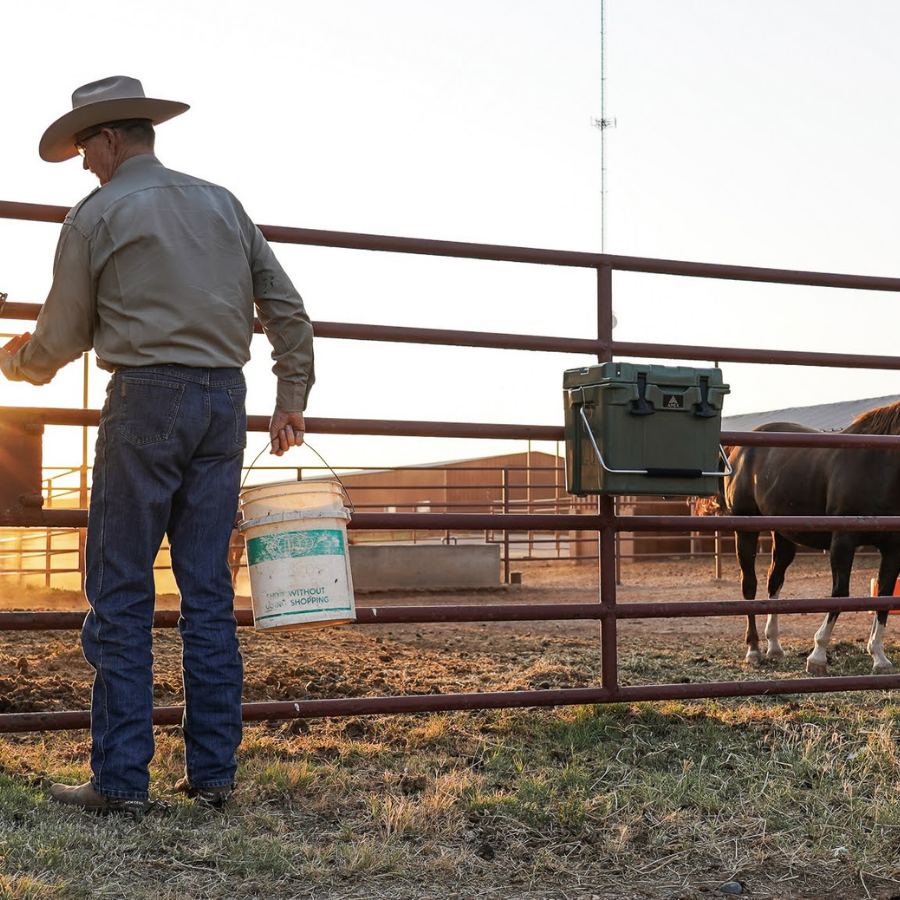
752 132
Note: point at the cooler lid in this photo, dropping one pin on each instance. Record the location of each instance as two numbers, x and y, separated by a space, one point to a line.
627 373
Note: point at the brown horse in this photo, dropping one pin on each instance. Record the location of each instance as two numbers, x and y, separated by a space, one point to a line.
805 481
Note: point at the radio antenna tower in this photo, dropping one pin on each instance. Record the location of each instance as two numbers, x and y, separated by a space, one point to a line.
602 124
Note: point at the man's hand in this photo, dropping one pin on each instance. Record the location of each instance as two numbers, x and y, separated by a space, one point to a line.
16 343
286 429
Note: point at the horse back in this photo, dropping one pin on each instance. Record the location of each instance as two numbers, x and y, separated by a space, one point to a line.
807 481
771 481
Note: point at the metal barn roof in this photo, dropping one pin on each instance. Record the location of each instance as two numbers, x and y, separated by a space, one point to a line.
825 417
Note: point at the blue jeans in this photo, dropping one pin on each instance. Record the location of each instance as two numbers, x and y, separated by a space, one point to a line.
168 461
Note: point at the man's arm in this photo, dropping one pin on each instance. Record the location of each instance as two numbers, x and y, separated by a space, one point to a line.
65 325
286 324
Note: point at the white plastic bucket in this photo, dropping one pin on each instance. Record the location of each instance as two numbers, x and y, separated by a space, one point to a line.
298 563
288 496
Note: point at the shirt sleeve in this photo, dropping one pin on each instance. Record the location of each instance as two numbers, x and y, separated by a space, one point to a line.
286 324
65 324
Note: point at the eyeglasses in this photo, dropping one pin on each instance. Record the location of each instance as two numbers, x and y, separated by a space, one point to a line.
109 126
79 145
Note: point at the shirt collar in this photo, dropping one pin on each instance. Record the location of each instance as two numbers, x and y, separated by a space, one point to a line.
135 163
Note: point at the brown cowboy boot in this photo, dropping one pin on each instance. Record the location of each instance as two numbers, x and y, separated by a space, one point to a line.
85 796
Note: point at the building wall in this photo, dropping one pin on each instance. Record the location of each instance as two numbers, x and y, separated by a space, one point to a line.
473 485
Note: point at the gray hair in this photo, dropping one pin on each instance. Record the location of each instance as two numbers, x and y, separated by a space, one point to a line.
138 131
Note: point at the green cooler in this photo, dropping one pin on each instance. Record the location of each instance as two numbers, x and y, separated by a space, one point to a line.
635 428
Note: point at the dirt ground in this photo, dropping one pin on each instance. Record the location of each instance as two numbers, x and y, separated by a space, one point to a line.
42 671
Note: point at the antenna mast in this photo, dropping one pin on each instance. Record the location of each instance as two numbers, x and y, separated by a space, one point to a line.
602 124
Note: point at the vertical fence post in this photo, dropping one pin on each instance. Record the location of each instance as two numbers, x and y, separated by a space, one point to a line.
20 556
505 476
606 505
83 468
48 538
617 509
609 663
529 509
558 486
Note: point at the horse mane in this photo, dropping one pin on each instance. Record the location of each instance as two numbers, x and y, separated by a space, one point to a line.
705 506
715 505
881 420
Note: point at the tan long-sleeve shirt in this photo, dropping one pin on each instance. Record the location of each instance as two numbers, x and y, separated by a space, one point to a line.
157 267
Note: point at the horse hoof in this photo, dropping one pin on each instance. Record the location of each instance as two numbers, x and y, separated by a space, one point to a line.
882 669
753 658
775 654
816 668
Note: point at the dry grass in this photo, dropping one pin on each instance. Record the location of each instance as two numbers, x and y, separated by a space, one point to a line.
795 797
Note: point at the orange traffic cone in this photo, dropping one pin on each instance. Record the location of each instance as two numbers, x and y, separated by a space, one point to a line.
873 586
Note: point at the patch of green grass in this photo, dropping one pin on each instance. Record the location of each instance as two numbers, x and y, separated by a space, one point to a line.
787 792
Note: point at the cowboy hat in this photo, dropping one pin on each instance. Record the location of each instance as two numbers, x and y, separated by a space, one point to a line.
107 100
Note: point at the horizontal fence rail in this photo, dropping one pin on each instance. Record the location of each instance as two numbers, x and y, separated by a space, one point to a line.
500 612
605 522
550 433
499 253
77 518
493 340
422 703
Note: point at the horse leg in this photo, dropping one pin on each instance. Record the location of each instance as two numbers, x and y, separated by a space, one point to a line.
783 553
746 543
887 578
880 663
843 549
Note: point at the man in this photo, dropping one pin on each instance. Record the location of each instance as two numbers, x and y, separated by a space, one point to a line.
158 273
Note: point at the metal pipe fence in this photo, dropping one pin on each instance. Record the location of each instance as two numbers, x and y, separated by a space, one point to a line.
17 552
607 523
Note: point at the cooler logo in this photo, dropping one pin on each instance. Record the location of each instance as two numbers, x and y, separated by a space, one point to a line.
673 401
316 542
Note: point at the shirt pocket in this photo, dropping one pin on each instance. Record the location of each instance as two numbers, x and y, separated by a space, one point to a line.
148 408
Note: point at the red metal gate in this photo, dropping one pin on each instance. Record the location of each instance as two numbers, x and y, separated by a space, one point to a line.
606 522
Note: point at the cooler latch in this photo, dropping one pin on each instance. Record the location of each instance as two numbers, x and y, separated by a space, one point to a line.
702 409
641 407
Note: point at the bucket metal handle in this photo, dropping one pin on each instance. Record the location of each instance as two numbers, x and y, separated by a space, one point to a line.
341 483
327 465
655 472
